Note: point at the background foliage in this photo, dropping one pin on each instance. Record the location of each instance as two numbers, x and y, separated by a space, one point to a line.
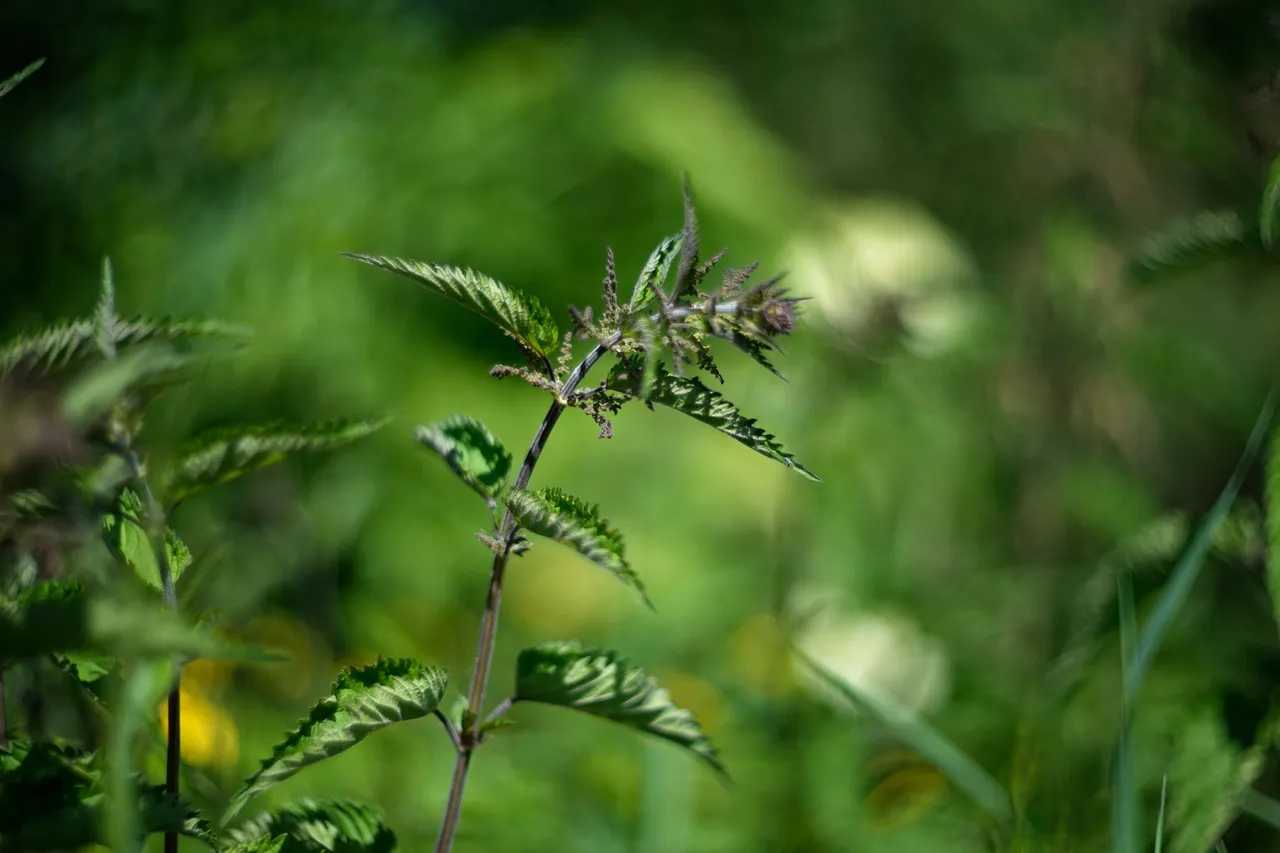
994 401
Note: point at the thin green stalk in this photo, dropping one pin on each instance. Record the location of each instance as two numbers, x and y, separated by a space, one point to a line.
155 534
506 534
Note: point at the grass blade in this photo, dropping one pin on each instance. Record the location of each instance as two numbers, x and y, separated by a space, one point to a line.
948 758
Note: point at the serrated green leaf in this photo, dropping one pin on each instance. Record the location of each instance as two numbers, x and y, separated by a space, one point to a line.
1204 237
472 452
261 845
362 701
687 394
600 683
654 273
559 516
320 826
75 341
916 733
126 538
12 82
519 314
226 454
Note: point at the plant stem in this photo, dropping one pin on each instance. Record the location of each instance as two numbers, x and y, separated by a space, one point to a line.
156 525
507 531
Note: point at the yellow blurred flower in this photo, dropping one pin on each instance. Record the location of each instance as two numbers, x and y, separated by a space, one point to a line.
209 735
905 796
693 694
758 656
210 676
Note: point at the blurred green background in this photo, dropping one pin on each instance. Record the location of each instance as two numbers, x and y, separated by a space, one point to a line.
993 404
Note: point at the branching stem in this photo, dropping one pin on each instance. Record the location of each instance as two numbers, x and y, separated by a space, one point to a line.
506 534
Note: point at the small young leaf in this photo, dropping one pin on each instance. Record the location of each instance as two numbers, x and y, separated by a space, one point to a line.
105 329
564 518
471 452
655 272
8 85
125 536
518 313
312 826
362 701
227 454
600 683
1206 236
688 395
75 341
923 738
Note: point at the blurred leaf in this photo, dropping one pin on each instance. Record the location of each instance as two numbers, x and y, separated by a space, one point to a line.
916 733
1212 778
362 701
150 368
1273 523
602 684
313 826
1204 237
472 452
124 534
518 313
1164 796
1126 809
1184 575
74 341
145 682
1269 226
227 454
52 797
10 84
566 519
58 617
688 395
1149 552
655 272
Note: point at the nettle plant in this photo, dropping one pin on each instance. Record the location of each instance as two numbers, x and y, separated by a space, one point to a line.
669 315
91 564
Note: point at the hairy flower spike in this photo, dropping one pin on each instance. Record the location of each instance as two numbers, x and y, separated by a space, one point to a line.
537 380
610 286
